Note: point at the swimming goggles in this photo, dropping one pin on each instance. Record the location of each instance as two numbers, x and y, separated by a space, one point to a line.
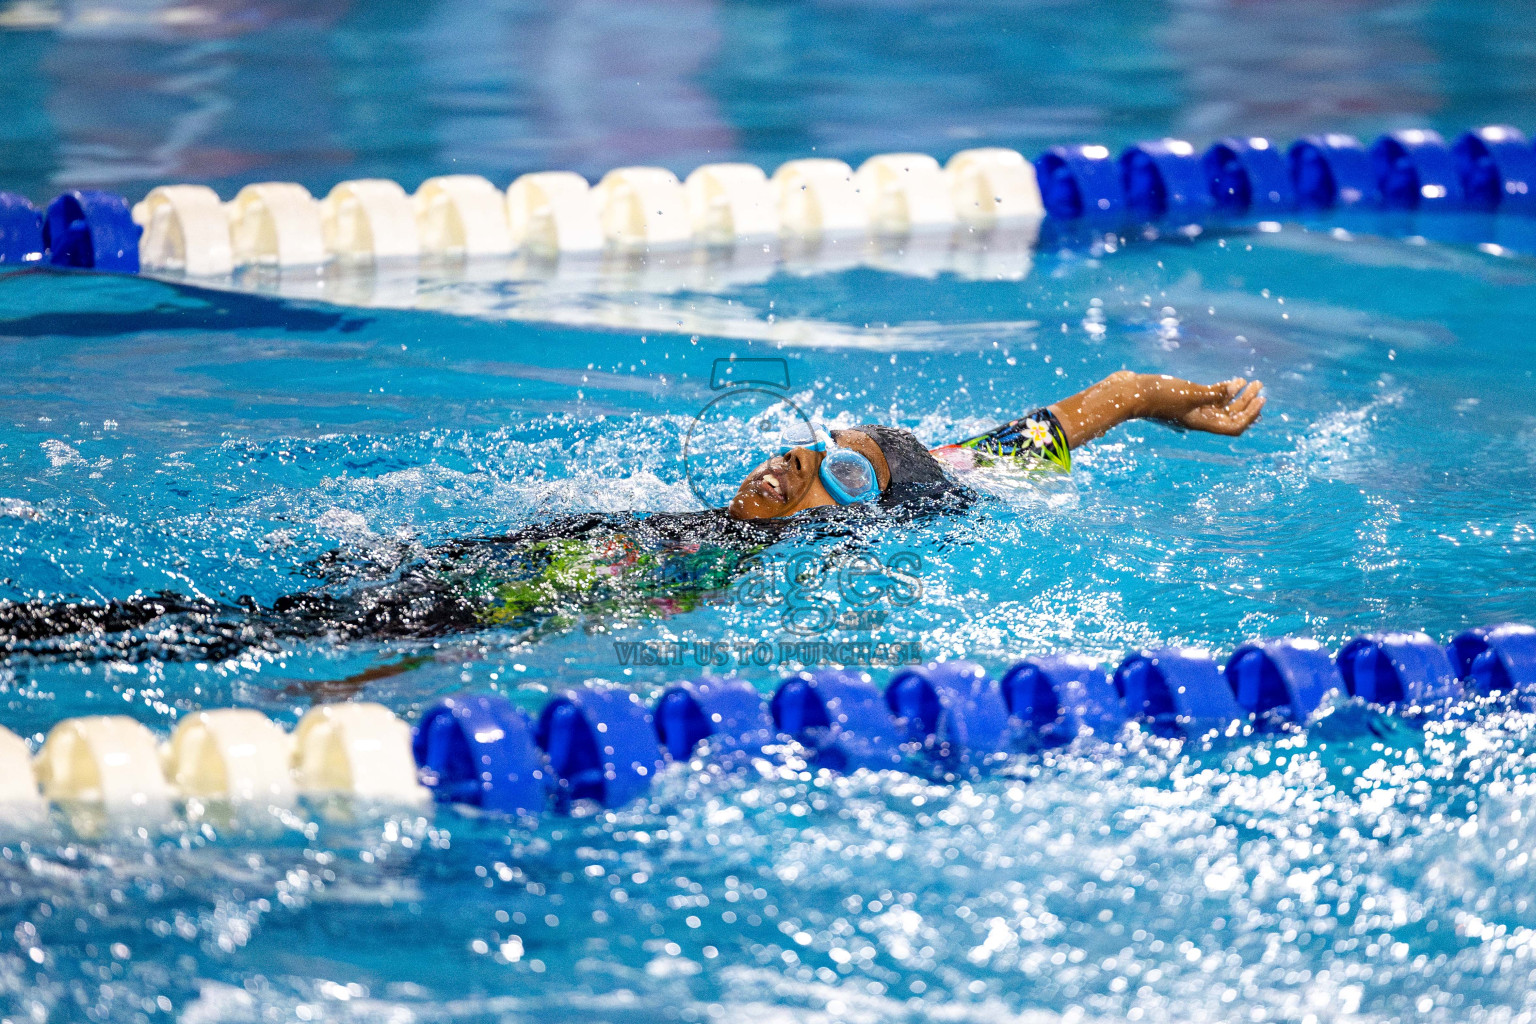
846 474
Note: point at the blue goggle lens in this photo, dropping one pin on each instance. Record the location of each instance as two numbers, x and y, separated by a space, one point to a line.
849 477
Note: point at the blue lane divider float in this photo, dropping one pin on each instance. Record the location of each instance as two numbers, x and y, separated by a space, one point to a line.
478 750
601 745
1292 676
91 229
1415 169
1060 696
1332 170
1165 180
1177 691
840 717
728 712
21 230
1497 168
1078 182
952 711
1249 176
1497 659
1398 668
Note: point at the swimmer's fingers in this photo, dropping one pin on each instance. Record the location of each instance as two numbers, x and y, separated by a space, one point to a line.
1245 396
1230 389
1234 417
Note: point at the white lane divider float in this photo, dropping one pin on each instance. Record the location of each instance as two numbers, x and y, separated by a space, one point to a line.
552 212
101 759
731 202
358 749
905 192
233 754
280 224
992 186
276 223
369 219
462 215
642 207
185 229
818 197
18 785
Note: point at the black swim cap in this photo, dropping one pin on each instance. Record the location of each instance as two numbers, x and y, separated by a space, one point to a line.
915 474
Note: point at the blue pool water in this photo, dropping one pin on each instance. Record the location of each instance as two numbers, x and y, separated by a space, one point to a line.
159 437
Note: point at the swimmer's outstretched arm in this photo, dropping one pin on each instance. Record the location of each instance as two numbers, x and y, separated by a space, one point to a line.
1228 407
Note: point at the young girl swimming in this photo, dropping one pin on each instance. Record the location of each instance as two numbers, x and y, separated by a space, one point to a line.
549 575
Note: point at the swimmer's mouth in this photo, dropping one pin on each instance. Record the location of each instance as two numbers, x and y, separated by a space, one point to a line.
770 487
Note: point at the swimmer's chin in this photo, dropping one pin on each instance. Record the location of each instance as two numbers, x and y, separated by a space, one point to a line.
743 511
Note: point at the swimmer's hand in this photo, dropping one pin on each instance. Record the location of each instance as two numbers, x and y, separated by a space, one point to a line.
1229 409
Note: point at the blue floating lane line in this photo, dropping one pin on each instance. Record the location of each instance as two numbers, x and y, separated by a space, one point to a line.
952 711
478 750
1497 167
94 230
728 712
1061 695
1165 180
601 746
21 230
1249 176
1078 182
841 717
1397 668
1415 170
1292 676
1330 171
1177 691
1497 659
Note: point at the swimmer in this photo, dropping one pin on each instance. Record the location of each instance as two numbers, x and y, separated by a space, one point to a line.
549 576
891 466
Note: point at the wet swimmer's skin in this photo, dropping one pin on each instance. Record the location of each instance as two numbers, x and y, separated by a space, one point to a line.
795 481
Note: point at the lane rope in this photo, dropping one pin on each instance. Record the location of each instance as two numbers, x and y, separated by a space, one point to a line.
187 229
603 743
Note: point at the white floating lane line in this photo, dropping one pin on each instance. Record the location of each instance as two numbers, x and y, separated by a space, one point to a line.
818 197
553 212
642 207
276 223
368 219
905 192
235 754
102 759
993 185
731 202
462 215
185 229
356 749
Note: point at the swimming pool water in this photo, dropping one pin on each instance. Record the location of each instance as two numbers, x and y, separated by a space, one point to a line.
215 444
161 437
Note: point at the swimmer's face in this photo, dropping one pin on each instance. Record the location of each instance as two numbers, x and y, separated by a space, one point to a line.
782 486
791 483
